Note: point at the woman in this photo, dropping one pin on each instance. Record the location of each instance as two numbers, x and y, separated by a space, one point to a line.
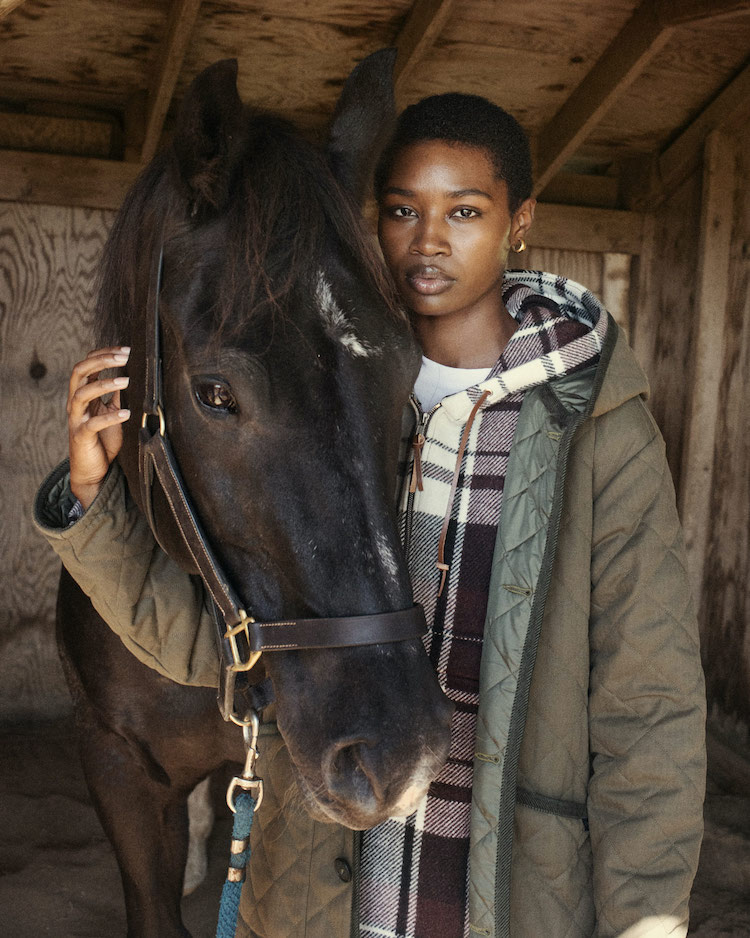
543 542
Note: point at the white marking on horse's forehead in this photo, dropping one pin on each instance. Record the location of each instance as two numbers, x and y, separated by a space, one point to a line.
337 325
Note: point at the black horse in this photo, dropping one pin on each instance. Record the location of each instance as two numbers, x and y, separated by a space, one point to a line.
286 367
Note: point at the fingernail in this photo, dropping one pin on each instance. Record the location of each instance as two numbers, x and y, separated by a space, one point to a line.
125 348
118 357
123 413
120 382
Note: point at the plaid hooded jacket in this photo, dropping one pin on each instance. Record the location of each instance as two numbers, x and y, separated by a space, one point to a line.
588 757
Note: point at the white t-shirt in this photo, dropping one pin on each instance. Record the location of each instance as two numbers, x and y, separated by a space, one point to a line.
436 381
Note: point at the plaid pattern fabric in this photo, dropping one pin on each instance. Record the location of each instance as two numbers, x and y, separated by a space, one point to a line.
414 871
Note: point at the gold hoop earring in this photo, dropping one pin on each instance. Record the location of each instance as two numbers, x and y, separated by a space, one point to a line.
519 246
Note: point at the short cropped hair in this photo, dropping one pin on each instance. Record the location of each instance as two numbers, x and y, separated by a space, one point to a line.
470 120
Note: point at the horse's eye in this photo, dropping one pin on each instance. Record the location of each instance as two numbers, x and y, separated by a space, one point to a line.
217 396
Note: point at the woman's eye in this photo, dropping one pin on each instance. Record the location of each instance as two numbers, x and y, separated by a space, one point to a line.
402 211
466 213
217 396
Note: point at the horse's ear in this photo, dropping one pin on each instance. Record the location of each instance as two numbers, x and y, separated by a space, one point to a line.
363 121
208 136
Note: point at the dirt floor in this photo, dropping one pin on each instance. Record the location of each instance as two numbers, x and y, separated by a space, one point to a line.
58 875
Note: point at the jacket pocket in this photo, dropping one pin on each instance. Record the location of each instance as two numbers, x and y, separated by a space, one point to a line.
557 806
551 870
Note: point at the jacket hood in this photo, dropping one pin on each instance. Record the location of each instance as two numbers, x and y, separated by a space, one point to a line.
617 377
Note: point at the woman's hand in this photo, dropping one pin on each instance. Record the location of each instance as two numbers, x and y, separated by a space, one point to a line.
94 428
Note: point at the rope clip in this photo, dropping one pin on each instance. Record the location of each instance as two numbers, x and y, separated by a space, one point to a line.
247 781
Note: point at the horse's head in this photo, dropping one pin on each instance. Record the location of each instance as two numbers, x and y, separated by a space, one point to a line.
287 364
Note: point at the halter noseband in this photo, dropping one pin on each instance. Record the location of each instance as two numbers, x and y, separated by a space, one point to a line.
241 639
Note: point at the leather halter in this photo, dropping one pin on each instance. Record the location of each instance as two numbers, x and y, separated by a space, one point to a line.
241 639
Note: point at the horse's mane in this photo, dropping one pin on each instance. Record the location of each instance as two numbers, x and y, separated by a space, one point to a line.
285 209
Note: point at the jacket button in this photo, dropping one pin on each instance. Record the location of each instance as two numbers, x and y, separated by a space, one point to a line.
343 870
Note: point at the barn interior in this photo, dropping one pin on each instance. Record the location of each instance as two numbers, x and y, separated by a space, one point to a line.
638 116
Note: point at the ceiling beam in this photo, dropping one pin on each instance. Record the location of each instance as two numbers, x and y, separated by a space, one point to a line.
64 180
728 111
641 38
623 61
171 55
422 27
576 228
6 6
677 12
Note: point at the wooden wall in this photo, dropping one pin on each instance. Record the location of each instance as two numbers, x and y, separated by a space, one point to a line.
48 257
725 601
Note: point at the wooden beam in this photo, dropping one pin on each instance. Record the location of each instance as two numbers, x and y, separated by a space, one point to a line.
623 61
573 228
6 6
182 16
677 12
56 134
707 343
728 111
422 27
582 189
64 180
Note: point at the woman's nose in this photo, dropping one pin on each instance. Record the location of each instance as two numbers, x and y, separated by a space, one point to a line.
430 238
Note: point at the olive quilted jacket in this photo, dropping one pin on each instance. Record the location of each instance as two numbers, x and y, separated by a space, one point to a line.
590 760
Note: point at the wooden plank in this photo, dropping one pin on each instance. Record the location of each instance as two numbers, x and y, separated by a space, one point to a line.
576 228
182 16
616 272
6 6
675 12
48 263
582 189
64 180
663 308
725 605
624 59
582 266
707 343
55 134
728 111
422 27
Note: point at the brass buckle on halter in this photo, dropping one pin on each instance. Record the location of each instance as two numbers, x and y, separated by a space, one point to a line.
241 629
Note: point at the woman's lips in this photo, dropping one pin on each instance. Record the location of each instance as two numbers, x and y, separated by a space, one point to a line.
428 280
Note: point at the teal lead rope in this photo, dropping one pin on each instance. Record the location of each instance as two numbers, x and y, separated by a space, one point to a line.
243 803
238 859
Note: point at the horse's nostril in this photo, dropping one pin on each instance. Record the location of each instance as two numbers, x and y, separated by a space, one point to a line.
350 773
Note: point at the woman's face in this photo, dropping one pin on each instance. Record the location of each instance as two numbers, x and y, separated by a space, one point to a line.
445 228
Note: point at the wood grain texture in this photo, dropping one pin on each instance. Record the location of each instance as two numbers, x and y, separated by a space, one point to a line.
631 50
691 69
707 347
55 134
48 257
663 310
584 267
420 31
168 65
725 601
64 180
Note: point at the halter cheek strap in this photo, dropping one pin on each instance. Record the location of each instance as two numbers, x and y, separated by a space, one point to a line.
241 639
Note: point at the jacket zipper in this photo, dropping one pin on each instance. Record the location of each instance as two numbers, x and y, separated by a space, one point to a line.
420 434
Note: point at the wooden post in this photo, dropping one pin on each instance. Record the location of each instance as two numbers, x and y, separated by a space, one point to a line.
707 346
